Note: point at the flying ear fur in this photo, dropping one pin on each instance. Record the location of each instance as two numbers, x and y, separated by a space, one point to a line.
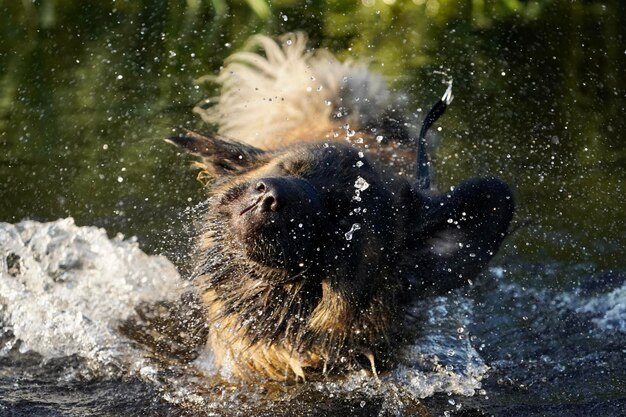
462 230
219 156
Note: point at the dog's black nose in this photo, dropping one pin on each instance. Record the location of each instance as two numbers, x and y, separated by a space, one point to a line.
272 194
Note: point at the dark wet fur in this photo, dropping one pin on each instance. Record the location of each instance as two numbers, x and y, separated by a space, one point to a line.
347 299
309 256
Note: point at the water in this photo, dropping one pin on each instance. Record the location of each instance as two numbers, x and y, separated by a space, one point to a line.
63 286
89 89
501 346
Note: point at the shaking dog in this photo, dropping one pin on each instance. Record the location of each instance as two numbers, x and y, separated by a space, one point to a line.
318 237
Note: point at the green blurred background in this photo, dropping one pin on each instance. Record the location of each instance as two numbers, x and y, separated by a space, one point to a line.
89 88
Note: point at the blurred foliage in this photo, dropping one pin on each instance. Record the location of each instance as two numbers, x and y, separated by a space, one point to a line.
87 89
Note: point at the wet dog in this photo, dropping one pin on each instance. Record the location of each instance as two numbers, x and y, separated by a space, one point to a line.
317 237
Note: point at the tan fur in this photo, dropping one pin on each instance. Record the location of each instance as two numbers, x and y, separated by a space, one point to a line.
280 361
246 360
288 95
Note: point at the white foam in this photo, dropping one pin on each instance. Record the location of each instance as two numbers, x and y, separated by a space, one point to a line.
442 359
610 309
72 286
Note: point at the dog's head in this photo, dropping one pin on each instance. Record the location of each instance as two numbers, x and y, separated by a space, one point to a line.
323 209
326 211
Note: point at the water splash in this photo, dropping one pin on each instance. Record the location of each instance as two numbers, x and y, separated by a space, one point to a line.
608 309
64 289
442 359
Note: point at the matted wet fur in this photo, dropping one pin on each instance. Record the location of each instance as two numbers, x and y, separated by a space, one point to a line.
316 240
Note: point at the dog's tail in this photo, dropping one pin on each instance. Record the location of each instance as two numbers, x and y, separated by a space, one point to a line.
292 94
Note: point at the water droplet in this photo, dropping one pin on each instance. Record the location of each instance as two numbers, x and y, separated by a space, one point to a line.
360 184
354 228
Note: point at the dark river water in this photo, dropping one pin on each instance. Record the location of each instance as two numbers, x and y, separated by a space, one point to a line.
89 89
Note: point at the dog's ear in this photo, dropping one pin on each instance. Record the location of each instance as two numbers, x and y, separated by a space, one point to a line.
219 156
461 231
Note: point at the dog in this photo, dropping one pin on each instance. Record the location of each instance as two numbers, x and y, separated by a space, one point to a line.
317 237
